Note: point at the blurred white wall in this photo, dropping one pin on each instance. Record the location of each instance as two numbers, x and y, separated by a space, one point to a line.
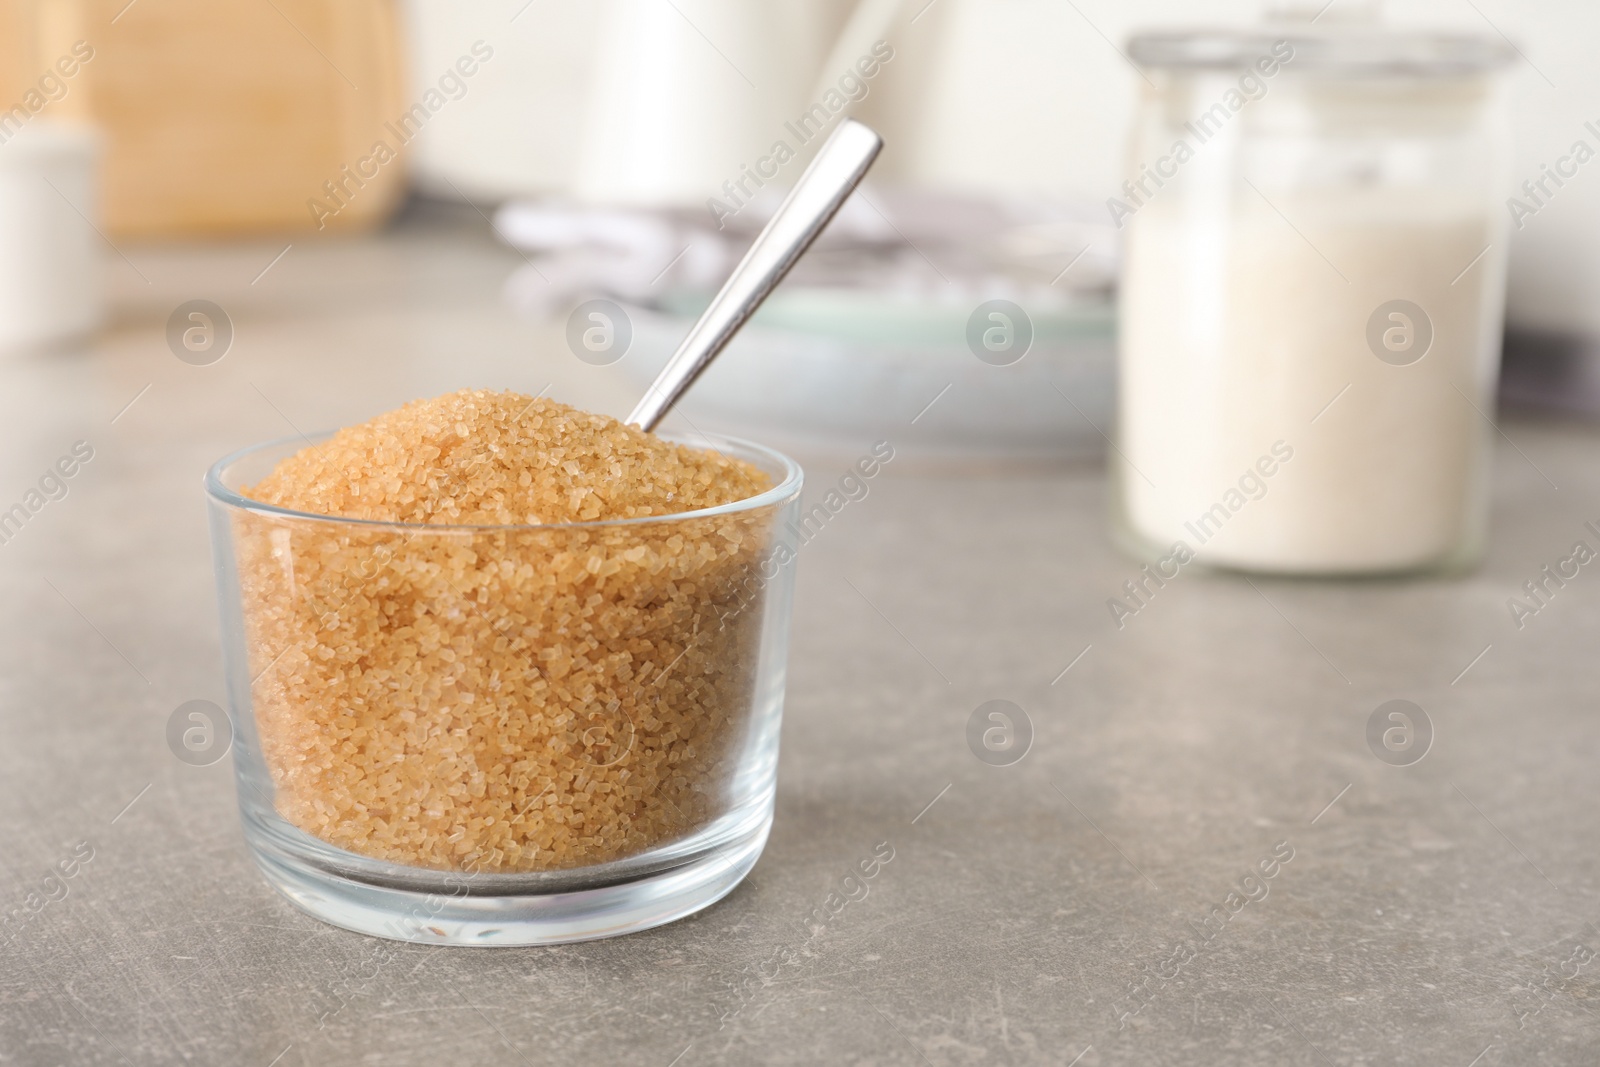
1012 96
518 128
521 128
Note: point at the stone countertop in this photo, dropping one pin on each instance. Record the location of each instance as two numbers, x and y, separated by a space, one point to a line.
1054 911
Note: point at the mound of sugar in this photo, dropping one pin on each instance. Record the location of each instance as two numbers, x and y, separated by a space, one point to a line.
488 458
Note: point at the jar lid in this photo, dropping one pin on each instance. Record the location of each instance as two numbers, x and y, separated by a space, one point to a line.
1354 51
47 140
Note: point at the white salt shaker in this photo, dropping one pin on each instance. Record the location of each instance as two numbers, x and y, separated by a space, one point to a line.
50 251
1315 238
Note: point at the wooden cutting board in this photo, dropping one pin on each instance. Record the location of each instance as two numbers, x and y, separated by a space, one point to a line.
17 39
226 116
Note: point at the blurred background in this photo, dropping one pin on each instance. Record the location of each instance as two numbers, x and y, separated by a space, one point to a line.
617 149
230 221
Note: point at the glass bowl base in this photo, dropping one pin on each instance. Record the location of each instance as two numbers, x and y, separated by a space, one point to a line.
507 919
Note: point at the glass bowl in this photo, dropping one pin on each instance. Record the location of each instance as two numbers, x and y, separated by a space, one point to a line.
505 735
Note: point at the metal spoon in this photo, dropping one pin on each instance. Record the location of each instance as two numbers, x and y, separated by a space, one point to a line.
830 179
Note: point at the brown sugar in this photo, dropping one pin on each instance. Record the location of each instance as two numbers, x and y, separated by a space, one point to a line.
478 457
501 693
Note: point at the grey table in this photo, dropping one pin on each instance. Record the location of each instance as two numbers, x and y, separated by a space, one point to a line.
1073 907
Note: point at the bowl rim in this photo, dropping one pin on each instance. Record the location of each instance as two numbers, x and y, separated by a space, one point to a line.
786 488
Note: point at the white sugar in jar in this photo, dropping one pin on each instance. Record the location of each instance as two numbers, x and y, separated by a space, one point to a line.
1314 229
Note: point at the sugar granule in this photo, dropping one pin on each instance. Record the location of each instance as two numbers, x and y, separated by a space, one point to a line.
521 698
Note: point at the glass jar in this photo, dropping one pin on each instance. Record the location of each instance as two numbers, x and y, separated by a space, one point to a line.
505 735
1315 248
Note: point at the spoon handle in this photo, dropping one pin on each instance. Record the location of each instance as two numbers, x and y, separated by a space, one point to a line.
830 179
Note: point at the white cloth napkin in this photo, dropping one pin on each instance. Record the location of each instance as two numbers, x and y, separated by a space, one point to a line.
911 245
